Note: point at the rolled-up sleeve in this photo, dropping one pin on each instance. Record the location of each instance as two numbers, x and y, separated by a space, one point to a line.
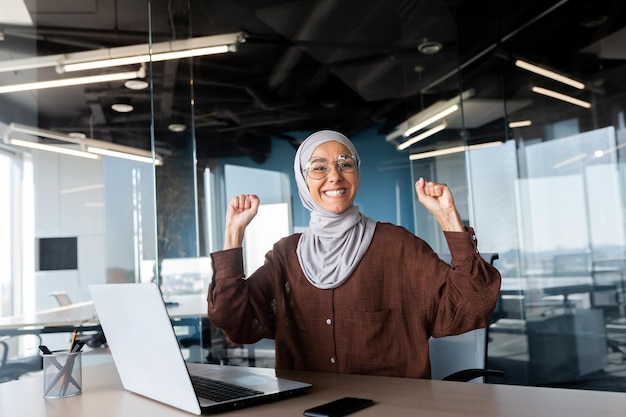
467 292
232 304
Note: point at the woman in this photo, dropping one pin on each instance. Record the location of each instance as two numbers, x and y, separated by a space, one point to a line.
349 294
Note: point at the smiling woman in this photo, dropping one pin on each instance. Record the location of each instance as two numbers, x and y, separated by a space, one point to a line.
359 286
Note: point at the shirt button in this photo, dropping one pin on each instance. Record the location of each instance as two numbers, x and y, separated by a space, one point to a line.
332 360
328 321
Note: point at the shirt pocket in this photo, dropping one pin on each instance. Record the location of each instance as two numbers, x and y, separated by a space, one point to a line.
376 343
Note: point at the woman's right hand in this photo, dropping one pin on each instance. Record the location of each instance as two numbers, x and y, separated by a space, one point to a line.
240 212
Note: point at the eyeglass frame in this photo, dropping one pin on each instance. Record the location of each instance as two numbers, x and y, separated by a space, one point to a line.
356 160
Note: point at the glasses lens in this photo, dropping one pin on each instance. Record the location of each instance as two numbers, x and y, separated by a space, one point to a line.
346 163
319 168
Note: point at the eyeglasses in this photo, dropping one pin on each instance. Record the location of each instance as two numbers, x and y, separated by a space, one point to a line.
318 169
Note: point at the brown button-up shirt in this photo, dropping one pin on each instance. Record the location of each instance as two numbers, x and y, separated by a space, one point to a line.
377 322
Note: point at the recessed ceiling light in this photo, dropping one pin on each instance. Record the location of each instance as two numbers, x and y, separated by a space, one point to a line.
329 104
122 107
429 47
177 127
520 123
136 84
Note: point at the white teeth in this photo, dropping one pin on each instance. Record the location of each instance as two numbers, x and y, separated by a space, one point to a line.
335 193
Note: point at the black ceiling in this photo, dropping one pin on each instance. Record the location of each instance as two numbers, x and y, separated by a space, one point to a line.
305 65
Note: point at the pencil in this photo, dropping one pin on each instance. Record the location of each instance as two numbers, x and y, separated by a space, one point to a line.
73 340
69 364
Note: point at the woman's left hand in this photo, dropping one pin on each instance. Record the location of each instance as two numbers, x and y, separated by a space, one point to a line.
438 200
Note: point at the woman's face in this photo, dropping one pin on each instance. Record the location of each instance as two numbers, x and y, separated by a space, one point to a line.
337 190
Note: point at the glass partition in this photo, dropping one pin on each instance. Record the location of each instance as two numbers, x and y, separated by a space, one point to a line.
541 180
78 211
548 198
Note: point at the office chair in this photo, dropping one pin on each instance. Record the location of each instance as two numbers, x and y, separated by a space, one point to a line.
462 357
12 366
62 298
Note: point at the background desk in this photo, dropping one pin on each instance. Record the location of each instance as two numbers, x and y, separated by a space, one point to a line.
553 285
83 316
103 395
55 320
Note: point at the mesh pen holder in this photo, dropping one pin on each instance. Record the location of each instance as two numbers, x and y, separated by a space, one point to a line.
62 374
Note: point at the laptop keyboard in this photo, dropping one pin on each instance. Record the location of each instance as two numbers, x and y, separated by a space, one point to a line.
218 390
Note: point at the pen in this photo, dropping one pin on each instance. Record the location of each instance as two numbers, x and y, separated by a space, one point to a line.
78 346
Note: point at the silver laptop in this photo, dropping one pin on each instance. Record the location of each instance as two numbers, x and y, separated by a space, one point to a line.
150 362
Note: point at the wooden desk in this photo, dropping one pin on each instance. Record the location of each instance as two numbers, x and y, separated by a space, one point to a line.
394 397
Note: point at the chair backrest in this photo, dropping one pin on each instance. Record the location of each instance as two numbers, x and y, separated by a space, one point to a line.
451 354
62 298
12 364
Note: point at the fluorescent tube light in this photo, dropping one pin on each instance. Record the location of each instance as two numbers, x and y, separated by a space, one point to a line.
123 155
428 116
94 147
52 148
448 151
35 131
121 151
422 136
140 59
125 55
30 63
71 81
431 120
82 189
440 152
520 123
570 161
549 74
562 97
143 53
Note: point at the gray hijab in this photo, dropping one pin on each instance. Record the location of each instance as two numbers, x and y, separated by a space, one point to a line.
333 244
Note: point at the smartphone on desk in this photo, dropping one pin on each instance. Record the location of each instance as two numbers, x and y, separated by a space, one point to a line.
339 407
